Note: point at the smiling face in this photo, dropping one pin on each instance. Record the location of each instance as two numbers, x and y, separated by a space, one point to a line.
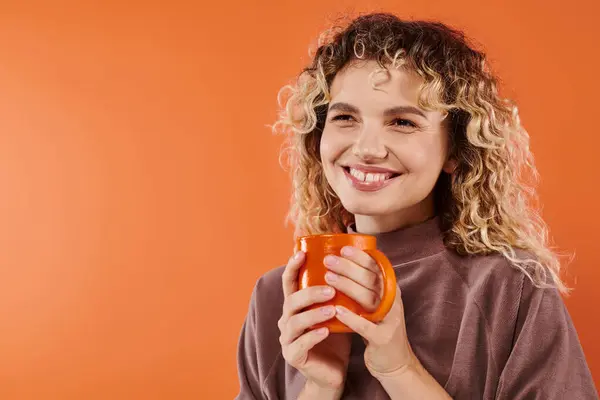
381 153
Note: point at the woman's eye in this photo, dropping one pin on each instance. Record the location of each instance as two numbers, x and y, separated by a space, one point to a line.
343 117
403 123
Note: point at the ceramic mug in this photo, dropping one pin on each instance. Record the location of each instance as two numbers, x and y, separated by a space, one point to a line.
312 273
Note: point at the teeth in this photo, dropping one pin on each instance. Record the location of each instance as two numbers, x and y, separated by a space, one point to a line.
368 177
357 174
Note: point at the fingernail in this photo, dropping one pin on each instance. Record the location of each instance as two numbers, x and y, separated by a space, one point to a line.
321 331
297 255
347 251
331 260
330 276
327 291
340 310
328 310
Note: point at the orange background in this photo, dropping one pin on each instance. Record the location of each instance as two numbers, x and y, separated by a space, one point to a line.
134 215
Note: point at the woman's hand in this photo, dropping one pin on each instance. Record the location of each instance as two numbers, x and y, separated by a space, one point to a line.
357 275
388 356
320 356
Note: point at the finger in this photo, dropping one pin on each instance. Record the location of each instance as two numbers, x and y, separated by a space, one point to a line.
296 352
367 298
306 297
359 257
297 324
363 276
368 330
395 317
290 273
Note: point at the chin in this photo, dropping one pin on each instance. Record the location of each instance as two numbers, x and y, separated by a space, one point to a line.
369 207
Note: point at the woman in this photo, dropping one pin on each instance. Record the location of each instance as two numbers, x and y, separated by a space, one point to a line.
397 130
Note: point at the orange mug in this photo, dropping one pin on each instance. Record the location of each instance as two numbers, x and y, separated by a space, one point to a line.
312 273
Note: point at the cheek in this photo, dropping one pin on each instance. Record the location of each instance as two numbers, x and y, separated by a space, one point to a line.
423 156
414 158
326 151
331 146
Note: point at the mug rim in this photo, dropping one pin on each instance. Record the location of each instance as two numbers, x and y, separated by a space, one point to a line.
329 235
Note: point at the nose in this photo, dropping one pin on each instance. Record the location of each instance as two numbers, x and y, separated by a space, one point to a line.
368 146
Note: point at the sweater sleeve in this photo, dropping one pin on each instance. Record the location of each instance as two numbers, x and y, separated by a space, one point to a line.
547 360
247 356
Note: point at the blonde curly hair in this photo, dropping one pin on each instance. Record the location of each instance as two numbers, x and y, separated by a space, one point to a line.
487 204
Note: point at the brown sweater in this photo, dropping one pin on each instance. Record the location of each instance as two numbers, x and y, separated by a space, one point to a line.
478 325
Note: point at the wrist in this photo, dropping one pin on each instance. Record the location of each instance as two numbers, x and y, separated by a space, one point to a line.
411 365
313 391
412 381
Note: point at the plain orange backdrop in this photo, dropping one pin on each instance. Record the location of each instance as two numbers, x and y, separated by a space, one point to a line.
141 194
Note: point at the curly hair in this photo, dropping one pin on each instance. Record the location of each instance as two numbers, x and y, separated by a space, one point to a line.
487 205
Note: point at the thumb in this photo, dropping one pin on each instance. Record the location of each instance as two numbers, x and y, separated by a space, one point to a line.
396 314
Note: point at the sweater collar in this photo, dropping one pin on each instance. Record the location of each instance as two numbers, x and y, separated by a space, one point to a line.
410 243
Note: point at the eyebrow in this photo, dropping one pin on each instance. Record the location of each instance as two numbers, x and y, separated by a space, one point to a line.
349 108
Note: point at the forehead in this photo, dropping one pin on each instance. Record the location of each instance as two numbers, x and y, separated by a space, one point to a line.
365 84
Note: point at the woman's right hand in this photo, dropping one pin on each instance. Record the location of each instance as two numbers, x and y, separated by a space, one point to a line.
320 356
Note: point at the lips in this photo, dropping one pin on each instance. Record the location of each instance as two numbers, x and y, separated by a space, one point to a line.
369 178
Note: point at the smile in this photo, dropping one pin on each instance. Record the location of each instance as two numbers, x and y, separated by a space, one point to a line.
369 179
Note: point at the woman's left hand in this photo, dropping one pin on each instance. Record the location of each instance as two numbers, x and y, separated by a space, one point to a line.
357 275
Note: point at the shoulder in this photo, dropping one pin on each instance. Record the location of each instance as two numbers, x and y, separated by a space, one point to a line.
497 285
491 271
258 345
268 290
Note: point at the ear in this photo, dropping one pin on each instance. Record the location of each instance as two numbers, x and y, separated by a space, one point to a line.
450 166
